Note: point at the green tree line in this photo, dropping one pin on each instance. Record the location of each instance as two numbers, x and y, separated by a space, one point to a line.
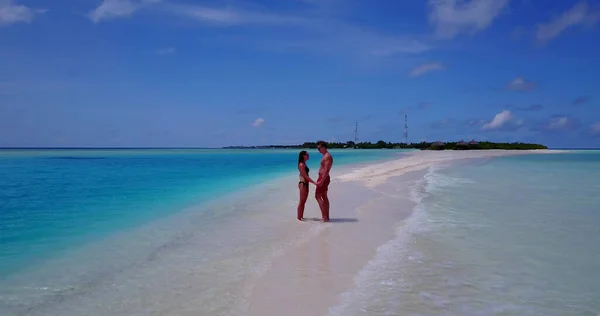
422 145
429 145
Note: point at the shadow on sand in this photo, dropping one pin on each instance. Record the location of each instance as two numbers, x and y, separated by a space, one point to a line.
334 220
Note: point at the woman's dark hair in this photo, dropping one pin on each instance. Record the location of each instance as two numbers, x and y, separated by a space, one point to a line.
301 156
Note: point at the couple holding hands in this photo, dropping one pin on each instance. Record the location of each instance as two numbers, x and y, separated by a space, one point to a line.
322 182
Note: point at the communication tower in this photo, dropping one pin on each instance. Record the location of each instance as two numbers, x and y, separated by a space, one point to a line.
356 135
406 128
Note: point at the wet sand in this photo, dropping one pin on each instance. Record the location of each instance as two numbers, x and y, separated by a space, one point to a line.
368 207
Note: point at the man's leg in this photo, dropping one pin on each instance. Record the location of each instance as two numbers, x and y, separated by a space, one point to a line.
325 197
321 202
325 202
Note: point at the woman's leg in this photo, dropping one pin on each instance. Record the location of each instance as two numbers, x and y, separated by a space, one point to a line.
303 196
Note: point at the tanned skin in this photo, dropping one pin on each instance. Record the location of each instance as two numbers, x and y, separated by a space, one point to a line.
323 181
303 188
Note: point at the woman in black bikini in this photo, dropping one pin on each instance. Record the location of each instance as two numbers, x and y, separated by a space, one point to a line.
303 183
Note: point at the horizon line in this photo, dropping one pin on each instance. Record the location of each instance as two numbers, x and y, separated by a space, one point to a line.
223 147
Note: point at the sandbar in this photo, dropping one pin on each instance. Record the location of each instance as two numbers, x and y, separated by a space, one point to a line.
368 207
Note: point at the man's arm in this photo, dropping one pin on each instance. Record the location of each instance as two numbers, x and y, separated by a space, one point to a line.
328 164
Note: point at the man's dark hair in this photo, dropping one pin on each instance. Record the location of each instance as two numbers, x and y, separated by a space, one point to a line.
322 144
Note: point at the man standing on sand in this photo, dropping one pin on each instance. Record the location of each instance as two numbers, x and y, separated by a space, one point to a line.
323 180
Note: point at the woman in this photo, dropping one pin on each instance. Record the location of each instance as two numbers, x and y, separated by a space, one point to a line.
303 183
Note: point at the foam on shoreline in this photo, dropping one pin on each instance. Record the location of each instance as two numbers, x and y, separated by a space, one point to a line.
375 174
311 278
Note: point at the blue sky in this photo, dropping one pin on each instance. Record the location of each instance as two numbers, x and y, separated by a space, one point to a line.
211 73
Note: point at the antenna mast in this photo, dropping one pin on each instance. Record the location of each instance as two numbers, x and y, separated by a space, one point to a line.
406 128
356 134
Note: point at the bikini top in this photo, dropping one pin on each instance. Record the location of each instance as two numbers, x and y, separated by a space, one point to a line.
307 170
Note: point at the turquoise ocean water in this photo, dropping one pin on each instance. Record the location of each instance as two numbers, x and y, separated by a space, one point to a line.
54 200
505 236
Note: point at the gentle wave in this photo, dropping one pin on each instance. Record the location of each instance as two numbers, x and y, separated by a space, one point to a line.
504 237
376 286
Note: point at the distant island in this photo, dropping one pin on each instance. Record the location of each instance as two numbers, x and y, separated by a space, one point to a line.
460 145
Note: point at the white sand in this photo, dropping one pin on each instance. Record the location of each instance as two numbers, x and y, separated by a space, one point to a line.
369 203
259 262
379 173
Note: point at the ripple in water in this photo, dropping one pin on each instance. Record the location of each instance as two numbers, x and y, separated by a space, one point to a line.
481 242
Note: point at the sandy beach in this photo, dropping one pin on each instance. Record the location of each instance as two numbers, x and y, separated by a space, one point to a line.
245 253
368 208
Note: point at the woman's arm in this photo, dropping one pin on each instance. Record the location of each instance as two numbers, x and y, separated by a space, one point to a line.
304 174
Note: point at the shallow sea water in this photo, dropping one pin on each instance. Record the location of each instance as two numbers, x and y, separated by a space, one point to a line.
152 232
505 236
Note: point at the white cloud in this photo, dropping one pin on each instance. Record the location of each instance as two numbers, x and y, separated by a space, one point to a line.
11 12
348 38
474 123
165 51
425 68
452 17
231 16
215 15
441 123
111 9
502 120
222 16
520 84
258 122
558 123
310 31
579 14
595 128
324 35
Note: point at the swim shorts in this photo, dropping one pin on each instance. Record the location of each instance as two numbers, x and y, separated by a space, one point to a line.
324 186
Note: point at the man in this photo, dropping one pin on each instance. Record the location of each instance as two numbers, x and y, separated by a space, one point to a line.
323 180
